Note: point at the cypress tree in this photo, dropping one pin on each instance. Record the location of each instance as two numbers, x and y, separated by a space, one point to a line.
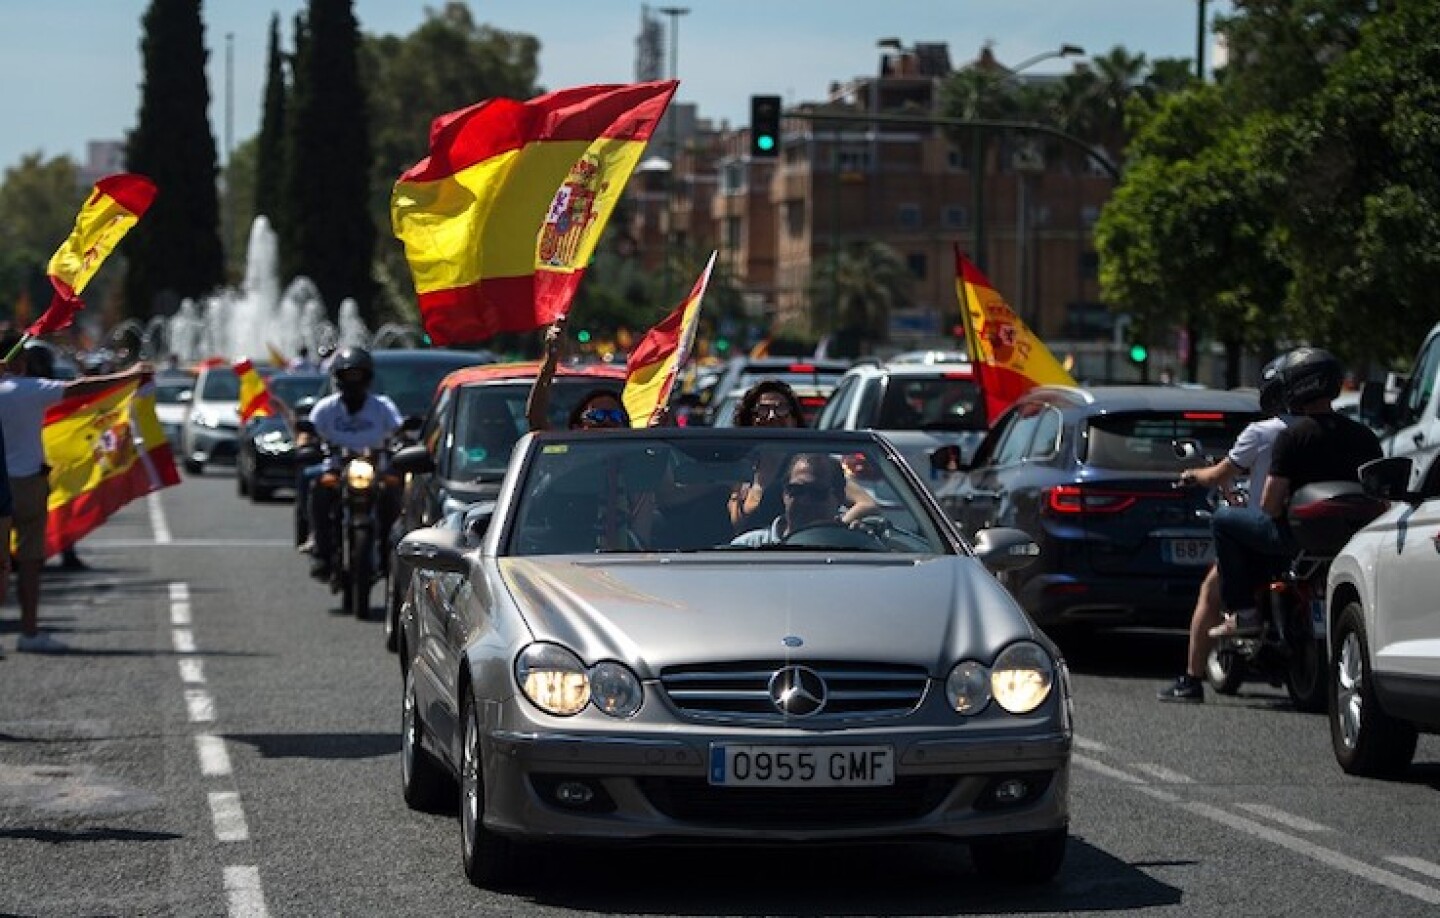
327 160
175 251
270 148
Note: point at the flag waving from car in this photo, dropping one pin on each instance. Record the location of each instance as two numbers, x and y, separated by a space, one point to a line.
1008 357
500 220
656 361
254 394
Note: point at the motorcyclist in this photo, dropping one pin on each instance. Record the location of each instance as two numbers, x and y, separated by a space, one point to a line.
1248 458
1319 445
349 418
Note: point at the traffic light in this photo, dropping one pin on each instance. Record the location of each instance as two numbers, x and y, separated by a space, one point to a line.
583 336
1138 354
765 126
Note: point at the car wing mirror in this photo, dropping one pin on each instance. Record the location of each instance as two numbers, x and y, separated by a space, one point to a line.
1005 549
1372 404
1388 478
413 460
947 459
434 549
477 519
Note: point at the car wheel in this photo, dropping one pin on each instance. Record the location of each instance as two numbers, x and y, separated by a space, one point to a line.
242 485
259 494
489 858
360 573
193 467
1027 861
1305 677
1224 671
426 785
1367 741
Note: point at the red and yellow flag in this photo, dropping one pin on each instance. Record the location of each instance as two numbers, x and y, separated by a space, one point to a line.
655 362
500 220
116 204
104 450
254 394
1008 357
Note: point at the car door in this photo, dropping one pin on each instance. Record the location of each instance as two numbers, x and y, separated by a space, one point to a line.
1417 429
985 494
1406 638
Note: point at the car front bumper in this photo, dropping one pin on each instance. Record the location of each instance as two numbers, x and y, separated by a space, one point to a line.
211 444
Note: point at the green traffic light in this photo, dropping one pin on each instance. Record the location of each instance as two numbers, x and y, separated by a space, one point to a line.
583 336
1138 353
765 142
722 345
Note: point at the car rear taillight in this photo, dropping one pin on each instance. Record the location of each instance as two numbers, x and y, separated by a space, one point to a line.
1067 500
802 368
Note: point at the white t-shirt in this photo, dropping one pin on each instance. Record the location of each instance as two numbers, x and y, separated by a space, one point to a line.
1252 450
23 400
368 428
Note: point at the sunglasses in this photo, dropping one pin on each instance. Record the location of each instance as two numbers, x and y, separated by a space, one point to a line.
772 410
800 491
603 416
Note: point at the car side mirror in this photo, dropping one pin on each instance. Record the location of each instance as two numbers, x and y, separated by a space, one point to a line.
1388 478
1003 549
185 397
477 519
947 459
413 460
434 549
1372 404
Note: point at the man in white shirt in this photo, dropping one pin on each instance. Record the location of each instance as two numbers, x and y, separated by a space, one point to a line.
23 402
350 418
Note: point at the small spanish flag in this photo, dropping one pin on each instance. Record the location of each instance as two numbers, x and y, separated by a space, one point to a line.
501 219
115 205
656 361
254 394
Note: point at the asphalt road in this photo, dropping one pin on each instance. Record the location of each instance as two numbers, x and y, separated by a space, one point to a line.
221 741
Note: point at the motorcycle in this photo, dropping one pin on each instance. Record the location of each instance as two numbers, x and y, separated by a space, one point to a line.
359 521
1290 650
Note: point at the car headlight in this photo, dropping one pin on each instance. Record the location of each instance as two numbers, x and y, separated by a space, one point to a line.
1022 677
615 690
968 687
359 474
553 679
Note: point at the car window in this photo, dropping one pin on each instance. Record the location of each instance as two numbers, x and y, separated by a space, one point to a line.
220 386
434 426
1422 383
169 392
989 447
940 402
838 408
866 400
490 419
1161 441
651 494
291 389
1046 442
1017 438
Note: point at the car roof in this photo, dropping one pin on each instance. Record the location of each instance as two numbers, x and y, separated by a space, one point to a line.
526 370
1106 399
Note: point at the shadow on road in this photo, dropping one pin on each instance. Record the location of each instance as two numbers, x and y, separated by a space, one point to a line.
95 834
1150 654
320 745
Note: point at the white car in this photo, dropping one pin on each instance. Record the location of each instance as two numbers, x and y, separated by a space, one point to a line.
1383 627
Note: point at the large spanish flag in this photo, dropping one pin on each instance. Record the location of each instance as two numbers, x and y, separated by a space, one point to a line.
500 220
104 450
115 205
655 362
254 394
1009 358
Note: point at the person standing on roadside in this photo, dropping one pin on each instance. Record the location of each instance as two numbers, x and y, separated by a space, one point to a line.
7 508
23 402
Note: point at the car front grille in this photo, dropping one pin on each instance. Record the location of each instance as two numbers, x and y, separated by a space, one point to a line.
693 800
736 691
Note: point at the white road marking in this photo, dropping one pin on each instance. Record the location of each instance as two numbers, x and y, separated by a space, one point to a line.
242 888
1090 745
200 706
1417 865
1289 820
228 817
157 519
1162 773
179 592
214 759
183 639
1303 847
192 672
179 613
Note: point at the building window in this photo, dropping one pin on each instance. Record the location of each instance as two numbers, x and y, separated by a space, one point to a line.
1088 215
733 178
908 216
795 219
1041 215
918 265
855 159
733 238
956 217
956 160
1089 265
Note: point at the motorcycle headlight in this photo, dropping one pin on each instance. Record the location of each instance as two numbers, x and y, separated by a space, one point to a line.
968 687
553 679
360 474
615 690
1022 677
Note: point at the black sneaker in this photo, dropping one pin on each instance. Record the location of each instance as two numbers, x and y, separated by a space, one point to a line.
1186 688
320 569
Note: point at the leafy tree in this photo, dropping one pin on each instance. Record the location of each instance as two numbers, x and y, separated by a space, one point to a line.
175 251
38 202
328 221
857 289
240 193
270 145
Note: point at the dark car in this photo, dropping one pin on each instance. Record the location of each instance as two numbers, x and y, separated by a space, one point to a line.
409 377
744 372
477 416
265 459
1091 475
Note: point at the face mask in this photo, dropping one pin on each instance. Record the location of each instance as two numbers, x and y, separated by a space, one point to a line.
353 394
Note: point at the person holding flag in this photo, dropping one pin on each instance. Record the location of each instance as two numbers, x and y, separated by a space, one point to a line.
599 408
23 402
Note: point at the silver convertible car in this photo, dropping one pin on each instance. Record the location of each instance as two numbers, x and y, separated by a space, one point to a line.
600 657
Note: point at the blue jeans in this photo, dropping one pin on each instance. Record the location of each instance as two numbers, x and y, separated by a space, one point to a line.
304 479
1250 548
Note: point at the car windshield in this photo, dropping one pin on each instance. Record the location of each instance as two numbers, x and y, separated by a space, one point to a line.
490 418
410 384
1162 441
291 388
170 391
664 492
221 385
945 401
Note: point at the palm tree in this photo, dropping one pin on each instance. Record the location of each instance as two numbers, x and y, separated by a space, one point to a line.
856 290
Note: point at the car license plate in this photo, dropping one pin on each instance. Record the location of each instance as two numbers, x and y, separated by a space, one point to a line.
802 766
1188 551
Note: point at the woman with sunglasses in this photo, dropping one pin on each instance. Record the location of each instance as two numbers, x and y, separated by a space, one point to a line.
599 409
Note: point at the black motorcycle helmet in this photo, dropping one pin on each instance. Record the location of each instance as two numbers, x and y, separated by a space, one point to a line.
352 366
1272 387
1310 373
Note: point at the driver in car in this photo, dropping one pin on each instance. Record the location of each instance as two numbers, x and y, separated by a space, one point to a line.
814 494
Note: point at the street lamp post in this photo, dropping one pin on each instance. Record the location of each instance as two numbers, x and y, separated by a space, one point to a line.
977 152
673 142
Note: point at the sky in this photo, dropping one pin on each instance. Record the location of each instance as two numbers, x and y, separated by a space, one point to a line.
71 70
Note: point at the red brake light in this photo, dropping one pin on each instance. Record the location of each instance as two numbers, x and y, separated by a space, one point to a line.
1065 500
957 374
1204 415
802 368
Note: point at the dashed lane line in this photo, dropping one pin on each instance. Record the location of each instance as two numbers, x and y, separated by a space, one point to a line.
228 816
1289 820
214 758
1424 867
246 897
